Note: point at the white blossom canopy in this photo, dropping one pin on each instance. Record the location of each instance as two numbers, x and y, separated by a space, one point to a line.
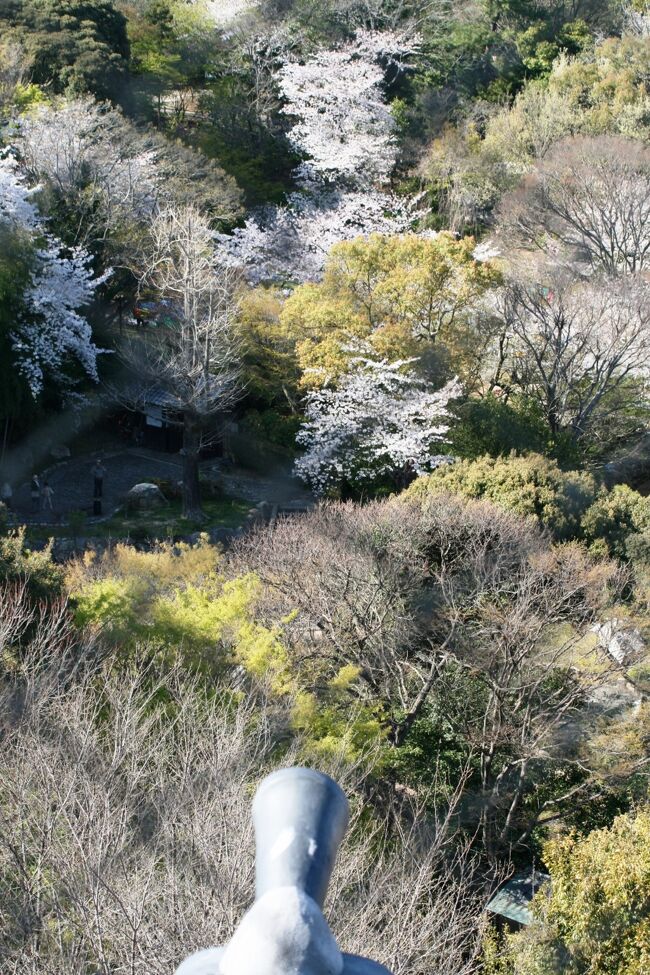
50 332
346 132
380 420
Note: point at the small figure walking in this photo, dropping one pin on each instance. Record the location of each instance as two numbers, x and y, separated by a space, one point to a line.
35 491
47 494
6 495
98 474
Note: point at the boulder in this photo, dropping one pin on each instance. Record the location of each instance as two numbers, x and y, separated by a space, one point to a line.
221 535
623 643
143 497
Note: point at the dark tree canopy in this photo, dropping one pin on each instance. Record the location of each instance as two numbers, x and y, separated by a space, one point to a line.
78 45
16 404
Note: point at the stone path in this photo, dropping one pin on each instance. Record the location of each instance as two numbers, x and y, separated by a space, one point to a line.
277 486
72 483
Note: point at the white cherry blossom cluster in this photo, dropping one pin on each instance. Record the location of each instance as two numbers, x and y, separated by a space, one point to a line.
379 421
346 131
343 124
290 243
82 142
50 330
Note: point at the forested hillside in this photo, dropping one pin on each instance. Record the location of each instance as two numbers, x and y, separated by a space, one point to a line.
325 440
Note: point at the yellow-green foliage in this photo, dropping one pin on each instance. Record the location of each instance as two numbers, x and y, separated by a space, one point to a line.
176 599
530 485
614 517
271 369
596 920
18 562
109 604
608 90
393 293
331 726
602 91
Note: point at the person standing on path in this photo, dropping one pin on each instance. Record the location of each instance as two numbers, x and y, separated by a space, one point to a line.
98 474
35 491
47 494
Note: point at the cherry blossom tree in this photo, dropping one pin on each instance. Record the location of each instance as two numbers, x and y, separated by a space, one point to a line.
291 243
345 129
343 123
89 151
380 421
112 174
223 12
51 333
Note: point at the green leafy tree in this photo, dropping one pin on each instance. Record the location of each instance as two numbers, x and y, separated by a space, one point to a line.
489 425
617 520
595 918
601 91
270 366
396 296
73 45
539 45
16 402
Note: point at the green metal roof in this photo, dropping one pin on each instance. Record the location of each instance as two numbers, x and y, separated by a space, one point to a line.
512 900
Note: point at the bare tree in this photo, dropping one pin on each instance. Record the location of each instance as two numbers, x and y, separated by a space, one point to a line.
636 18
587 202
190 352
126 838
453 607
404 15
576 350
14 65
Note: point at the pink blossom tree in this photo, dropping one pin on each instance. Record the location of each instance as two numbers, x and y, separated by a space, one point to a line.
381 421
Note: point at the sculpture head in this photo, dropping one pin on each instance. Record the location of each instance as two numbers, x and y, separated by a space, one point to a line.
300 818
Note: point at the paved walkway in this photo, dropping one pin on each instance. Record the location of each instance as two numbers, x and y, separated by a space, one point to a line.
72 483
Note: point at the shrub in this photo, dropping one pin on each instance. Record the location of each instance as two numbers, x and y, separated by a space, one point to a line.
596 916
490 426
19 563
109 604
176 599
616 518
529 485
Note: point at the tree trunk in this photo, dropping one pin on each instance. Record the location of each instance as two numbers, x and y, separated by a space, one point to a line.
191 491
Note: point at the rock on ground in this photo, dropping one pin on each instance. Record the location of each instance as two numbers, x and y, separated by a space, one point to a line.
144 496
